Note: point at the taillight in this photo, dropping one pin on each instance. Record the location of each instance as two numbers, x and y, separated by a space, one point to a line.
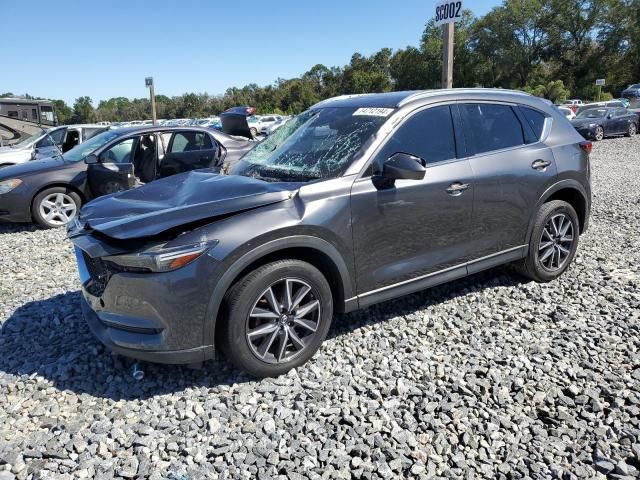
586 146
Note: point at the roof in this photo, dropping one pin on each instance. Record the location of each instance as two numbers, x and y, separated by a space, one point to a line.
26 101
400 99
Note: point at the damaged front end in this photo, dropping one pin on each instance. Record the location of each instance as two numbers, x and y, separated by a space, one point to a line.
146 275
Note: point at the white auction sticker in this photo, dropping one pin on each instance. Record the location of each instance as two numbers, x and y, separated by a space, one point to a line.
373 112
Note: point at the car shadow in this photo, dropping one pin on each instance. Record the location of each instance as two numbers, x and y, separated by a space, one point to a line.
10 227
49 339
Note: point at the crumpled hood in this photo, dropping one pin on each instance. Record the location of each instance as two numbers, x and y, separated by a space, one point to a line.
34 166
179 200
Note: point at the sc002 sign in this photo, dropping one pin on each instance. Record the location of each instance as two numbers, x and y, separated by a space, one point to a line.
448 11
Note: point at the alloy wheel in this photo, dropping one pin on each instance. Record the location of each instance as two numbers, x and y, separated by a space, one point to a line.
556 241
58 209
632 129
283 321
599 134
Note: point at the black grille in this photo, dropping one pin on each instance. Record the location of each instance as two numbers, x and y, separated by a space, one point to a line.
99 275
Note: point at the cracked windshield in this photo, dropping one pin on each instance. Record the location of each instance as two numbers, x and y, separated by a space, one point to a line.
317 144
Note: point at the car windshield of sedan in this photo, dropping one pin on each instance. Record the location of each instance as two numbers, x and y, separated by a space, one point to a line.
81 151
317 144
592 113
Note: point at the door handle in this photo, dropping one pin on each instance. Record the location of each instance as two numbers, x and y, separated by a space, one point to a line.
456 189
540 165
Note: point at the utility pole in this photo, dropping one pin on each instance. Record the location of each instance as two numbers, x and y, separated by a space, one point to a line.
447 57
149 83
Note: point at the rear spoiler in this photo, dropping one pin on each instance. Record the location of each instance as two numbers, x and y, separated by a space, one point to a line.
234 121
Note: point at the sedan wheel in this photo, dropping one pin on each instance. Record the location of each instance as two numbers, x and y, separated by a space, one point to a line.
599 135
632 130
55 207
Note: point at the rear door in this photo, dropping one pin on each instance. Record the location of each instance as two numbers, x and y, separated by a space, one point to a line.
114 170
188 150
512 167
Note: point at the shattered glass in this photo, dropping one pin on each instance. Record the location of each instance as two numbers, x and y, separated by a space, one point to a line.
317 144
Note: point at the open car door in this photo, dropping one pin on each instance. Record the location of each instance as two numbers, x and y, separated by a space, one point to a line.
112 170
234 121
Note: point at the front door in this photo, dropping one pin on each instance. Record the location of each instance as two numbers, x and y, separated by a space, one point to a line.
414 228
114 170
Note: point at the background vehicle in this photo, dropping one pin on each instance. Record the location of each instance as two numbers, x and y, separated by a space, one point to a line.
51 191
596 123
48 143
567 112
633 95
573 104
267 121
347 205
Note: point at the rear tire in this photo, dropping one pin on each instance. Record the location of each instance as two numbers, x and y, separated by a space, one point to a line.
276 318
599 134
553 243
632 130
55 207
254 132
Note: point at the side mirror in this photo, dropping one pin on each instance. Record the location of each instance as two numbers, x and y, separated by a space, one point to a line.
610 116
91 159
402 166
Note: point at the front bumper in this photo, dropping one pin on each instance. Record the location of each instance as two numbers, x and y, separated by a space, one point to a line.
15 206
157 317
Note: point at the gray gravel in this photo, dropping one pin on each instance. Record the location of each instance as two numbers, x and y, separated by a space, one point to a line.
487 377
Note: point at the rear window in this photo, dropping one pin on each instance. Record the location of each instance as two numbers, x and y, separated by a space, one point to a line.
490 127
535 119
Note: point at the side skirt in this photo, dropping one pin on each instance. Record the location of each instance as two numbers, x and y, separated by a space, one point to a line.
436 278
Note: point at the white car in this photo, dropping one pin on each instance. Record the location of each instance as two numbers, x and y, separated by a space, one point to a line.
573 104
48 143
570 114
269 130
259 123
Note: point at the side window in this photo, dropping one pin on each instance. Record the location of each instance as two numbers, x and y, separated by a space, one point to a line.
621 112
190 141
490 127
427 134
92 132
45 142
535 119
119 153
58 135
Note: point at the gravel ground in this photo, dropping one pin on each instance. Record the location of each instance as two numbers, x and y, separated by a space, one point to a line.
488 377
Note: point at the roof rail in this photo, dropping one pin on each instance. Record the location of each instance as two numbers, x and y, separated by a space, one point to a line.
433 93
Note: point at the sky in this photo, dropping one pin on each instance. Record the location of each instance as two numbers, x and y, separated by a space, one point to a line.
72 48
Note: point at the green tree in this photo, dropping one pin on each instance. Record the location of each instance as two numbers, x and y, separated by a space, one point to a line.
63 111
83 110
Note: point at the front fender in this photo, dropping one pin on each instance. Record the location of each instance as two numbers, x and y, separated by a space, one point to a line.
273 246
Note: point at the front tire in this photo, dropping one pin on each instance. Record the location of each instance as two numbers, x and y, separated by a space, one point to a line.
55 207
632 130
553 243
254 132
277 318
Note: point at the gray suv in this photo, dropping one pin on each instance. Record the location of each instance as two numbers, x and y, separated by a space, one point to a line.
356 201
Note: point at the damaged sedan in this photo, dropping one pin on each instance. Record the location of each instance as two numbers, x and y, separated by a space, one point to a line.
356 201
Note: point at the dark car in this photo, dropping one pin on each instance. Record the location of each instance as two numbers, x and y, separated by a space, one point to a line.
633 95
356 201
599 122
51 191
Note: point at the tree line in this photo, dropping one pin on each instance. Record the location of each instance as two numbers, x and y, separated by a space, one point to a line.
550 48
